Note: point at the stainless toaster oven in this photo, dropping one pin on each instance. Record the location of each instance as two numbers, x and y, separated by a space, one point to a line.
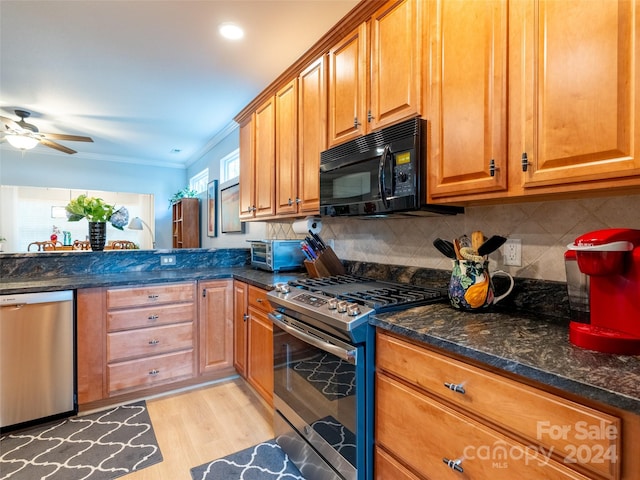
276 255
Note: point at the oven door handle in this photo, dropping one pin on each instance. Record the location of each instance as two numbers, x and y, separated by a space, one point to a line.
347 355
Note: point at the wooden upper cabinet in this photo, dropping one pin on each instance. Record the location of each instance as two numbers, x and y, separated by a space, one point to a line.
375 72
396 62
312 133
467 97
286 132
247 168
575 95
348 87
265 151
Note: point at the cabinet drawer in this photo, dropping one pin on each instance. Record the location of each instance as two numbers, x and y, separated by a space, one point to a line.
147 372
573 431
150 295
150 316
386 467
148 341
258 299
425 434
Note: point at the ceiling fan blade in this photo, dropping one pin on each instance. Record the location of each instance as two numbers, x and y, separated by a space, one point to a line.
56 146
71 138
10 124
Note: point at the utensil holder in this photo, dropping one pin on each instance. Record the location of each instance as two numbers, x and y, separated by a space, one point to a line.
326 265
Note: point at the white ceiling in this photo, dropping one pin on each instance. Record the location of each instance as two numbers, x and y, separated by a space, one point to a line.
145 77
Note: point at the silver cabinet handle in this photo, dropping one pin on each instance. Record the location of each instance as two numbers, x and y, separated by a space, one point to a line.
154 342
454 464
154 372
152 317
458 388
153 297
245 317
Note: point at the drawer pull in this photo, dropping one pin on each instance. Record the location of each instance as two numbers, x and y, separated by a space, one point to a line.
259 300
454 464
458 388
153 297
154 372
245 317
153 317
154 342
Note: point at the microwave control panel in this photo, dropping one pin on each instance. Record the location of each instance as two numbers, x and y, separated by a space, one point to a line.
404 174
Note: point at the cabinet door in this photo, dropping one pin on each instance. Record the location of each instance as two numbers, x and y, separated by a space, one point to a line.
348 87
260 359
90 333
265 157
240 317
287 148
216 325
576 97
247 168
396 62
312 133
467 97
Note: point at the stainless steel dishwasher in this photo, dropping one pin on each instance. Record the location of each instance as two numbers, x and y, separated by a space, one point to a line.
37 364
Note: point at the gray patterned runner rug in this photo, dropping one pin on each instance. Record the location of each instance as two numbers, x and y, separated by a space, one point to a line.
264 461
100 446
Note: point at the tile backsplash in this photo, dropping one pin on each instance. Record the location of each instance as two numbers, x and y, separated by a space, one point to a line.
545 229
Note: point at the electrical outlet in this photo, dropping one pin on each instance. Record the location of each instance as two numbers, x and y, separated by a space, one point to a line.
513 252
167 260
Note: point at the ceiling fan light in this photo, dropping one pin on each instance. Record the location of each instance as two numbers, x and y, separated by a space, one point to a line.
22 142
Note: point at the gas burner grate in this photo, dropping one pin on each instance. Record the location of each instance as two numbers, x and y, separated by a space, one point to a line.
378 295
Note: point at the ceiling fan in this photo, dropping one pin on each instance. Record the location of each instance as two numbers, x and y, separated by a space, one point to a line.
25 136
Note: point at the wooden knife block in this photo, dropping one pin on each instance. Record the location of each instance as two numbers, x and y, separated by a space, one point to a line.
326 265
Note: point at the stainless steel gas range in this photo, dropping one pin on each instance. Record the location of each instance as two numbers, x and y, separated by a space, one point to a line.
323 369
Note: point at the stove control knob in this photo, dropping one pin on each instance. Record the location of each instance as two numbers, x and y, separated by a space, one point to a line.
333 304
353 309
342 306
283 288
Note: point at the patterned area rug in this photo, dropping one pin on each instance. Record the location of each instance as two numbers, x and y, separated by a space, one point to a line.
100 446
265 461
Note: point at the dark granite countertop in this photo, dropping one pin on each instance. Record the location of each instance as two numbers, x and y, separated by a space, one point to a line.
535 348
252 276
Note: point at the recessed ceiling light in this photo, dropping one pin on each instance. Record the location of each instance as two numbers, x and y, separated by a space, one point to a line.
231 31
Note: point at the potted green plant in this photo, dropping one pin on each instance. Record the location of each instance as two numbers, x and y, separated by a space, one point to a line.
98 213
186 192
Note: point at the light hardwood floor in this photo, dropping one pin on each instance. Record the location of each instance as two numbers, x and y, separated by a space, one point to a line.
205 424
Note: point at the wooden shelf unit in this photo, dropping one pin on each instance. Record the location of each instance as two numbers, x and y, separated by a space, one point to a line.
186 223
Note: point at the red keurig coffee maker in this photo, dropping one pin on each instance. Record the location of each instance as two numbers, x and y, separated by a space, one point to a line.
605 301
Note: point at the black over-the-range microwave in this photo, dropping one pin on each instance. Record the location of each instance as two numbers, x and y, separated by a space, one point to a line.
380 174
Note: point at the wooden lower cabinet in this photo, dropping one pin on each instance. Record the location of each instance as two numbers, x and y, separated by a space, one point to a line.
136 341
140 353
253 353
240 326
438 417
216 326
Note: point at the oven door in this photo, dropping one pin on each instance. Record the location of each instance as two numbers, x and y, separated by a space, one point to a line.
319 400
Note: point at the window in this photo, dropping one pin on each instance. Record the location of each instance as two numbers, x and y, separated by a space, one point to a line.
199 181
230 166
